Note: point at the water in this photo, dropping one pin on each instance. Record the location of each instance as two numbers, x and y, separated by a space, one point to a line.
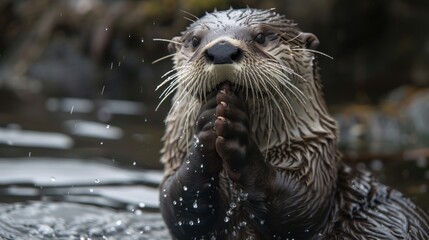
61 220
52 198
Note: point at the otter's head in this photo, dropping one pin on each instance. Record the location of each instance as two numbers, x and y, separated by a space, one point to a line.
266 58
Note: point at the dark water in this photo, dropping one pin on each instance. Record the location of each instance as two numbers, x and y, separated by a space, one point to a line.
48 220
79 169
54 198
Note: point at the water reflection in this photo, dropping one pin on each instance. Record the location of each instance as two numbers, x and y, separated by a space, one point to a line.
84 128
95 188
13 135
38 220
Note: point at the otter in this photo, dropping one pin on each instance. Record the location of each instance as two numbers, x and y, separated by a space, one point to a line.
250 150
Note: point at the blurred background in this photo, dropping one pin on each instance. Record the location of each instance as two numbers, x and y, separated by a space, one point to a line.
77 80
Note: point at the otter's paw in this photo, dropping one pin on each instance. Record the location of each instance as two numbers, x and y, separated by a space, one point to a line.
232 129
204 144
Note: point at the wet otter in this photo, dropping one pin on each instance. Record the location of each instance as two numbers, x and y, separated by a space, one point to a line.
250 151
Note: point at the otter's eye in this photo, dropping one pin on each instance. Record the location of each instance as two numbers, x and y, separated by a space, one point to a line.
260 38
195 41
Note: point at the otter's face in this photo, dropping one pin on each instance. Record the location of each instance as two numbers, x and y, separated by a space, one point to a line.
255 50
265 57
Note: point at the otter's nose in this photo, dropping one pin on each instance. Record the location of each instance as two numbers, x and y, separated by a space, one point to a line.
223 53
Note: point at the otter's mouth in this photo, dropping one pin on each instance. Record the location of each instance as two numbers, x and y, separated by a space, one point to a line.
239 90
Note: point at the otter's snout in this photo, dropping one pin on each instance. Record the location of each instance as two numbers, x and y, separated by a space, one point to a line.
223 52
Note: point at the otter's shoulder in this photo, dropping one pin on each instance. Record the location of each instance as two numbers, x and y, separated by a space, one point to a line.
365 207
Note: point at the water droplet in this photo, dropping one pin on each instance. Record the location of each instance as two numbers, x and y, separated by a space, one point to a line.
107 126
226 219
262 222
107 29
53 179
29 154
142 205
145 119
111 65
129 35
165 195
91 190
174 203
119 63
102 90
202 166
142 60
142 40
118 223
198 220
71 110
195 204
191 223
134 163
180 199
185 188
187 161
101 143
97 180
179 223
233 205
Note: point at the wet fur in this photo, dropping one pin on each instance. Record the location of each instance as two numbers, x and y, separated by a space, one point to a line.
250 151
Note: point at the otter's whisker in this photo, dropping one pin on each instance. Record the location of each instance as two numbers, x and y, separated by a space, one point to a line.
169 89
285 81
190 14
172 70
280 94
291 71
169 79
311 50
280 110
189 19
162 58
166 40
166 96
251 75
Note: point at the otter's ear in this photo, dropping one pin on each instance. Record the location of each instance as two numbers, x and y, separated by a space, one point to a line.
310 40
174 47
